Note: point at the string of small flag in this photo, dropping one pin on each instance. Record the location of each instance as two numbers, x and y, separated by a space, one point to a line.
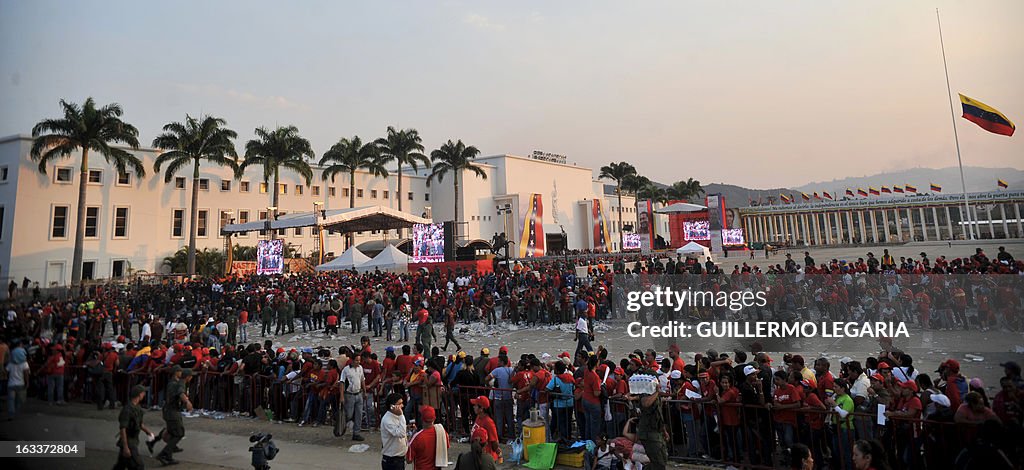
870 191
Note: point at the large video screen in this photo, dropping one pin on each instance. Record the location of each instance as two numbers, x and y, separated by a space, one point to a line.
631 241
428 243
699 230
270 257
732 236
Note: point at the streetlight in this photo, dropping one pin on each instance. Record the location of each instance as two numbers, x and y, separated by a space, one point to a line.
318 215
271 215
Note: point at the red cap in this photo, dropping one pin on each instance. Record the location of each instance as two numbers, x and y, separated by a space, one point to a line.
480 433
106 346
564 354
878 377
503 349
910 384
673 348
884 365
280 350
427 413
619 371
120 339
58 347
952 364
482 401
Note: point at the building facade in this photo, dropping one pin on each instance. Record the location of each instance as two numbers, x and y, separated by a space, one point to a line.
926 217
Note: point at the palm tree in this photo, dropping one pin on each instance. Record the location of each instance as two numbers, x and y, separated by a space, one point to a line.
454 157
87 128
684 190
652 192
349 156
192 142
619 173
273 150
404 148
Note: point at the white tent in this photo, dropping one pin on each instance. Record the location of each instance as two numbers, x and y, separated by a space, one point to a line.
681 207
694 249
351 258
390 259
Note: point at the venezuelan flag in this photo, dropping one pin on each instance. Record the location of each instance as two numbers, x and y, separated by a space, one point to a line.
849 192
805 196
986 117
1002 184
827 195
936 188
816 196
897 189
784 198
862 192
911 189
885 189
872 190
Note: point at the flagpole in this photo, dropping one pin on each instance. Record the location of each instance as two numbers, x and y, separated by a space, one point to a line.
968 227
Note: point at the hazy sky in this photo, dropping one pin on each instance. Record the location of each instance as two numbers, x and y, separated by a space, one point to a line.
756 93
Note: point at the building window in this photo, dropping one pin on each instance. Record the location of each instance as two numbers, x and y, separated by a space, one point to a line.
243 186
298 231
88 270
386 195
120 222
410 195
344 192
359 193
331 191
62 175
243 218
225 185
59 222
298 189
92 219
281 232
179 182
316 191
263 188
282 188
373 194
3 174
426 197
124 179
118 267
263 216
95 176
225 218
202 225
204 184
177 223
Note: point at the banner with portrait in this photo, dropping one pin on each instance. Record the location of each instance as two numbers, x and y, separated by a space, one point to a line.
645 224
602 242
270 257
531 238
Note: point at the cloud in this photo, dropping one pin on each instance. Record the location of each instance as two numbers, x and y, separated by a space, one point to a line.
241 96
482 23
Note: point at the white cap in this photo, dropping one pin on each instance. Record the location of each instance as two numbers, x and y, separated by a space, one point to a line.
675 374
941 399
749 370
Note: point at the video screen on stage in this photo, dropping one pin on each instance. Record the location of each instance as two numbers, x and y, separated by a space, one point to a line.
428 243
270 257
732 236
699 230
631 241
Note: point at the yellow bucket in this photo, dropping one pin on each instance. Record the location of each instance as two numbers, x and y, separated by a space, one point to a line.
534 432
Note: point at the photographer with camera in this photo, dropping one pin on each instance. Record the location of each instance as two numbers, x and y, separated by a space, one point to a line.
263 450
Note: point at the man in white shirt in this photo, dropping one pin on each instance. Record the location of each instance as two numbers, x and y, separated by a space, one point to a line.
393 434
351 398
583 333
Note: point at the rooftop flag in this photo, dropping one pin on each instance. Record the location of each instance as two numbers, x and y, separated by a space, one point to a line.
986 117
936 188
911 189
1002 184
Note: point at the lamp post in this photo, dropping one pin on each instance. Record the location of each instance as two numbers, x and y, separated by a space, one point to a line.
228 251
504 210
318 215
271 215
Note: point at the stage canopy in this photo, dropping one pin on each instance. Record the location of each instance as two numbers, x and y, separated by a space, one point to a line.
356 219
680 207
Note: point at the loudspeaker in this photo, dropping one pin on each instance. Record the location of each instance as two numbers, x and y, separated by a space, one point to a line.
449 241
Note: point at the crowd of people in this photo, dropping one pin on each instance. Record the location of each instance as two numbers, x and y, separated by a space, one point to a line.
210 344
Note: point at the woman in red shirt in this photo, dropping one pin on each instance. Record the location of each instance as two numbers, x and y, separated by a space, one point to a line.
54 369
729 410
481 406
814 415
785 398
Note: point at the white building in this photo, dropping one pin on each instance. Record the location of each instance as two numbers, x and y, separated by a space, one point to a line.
135 223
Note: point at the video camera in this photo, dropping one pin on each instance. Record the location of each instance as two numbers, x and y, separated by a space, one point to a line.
263 450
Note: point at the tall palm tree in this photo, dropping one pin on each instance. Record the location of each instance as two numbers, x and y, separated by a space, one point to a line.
87 128
192 142
618 172
403 147
349 156
454 157
273 150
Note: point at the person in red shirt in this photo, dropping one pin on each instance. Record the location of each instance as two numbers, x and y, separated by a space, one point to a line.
482 408
786 397
422 453
824 377
677 361
728 403
522 381
814 415
404 362
54 371
591 395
